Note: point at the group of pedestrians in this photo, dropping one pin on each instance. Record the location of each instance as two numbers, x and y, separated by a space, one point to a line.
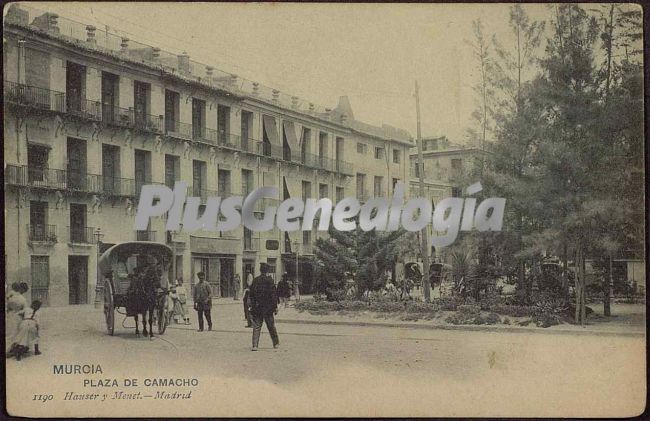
260 304
21 322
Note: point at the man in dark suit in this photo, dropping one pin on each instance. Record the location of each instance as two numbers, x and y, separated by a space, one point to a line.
264 304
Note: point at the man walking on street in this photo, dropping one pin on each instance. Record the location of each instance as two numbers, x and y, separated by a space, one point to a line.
264 304
203 301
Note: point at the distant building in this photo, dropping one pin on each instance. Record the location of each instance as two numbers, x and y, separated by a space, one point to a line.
91 117
446 167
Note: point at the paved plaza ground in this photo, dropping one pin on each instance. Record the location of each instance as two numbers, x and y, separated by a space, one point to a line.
334 370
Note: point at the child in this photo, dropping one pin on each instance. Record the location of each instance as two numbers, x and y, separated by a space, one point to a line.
28 333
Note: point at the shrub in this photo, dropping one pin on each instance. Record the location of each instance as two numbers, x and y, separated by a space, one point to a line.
491 318
514 310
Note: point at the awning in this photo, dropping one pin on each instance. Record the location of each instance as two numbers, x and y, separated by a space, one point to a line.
294 143
271 130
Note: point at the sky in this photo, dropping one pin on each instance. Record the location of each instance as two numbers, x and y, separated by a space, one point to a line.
373 53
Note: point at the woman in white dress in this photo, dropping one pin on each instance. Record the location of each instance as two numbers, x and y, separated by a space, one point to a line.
27 334
16 304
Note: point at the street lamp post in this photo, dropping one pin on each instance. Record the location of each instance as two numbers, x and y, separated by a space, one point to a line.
98 287
296 288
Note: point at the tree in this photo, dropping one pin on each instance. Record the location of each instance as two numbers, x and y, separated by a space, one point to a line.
363 256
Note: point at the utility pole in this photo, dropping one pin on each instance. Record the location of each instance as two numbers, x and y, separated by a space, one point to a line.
424 238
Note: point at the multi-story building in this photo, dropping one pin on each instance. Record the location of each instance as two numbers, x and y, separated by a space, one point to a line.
90 118
446 167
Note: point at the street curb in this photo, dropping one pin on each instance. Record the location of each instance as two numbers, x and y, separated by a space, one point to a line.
463 327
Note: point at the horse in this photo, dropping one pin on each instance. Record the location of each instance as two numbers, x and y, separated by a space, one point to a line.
143 297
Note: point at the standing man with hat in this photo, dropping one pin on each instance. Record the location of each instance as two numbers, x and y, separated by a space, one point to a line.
264 304
203 301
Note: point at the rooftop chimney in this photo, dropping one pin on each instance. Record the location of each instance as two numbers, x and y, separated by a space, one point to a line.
124 45
276 95
184 63
90 35
256 88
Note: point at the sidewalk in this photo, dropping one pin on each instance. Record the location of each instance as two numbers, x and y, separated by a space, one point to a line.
628 320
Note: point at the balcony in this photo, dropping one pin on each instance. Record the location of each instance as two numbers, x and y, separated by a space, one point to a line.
82 235
145 235
118 187
48 178
325 163
83 108
195 191
380 193
178 130
148 122
116 116
42 233
362 195
83 182
33 97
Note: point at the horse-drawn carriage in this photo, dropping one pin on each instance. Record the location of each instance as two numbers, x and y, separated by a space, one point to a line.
135 278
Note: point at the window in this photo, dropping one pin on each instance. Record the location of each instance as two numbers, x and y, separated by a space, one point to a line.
322 191
246 182
246 128
397 155
361 186
269 135
395 181
142 169
40 274
223 123
110 98
38 228
111 168
76 150
172 170
362 148
380 152
378 185
78 231
339 152
198 118
141 102
456 167
340 194
37 156
322 148
75 87
223 180
304 148
172 110
306 190
198 178
455 192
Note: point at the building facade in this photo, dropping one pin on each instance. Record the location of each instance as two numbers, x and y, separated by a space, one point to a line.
90 119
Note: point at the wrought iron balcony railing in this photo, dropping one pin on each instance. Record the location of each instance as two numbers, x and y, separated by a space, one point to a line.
32 96
118 187
83 108
49 178
363 195
148 122
82 235
195 191
116 116
179 130
42 232
145 235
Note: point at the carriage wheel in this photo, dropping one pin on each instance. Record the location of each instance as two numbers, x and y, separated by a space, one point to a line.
162 319
109 308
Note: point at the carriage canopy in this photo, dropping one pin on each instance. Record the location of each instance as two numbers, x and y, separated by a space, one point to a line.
123 251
